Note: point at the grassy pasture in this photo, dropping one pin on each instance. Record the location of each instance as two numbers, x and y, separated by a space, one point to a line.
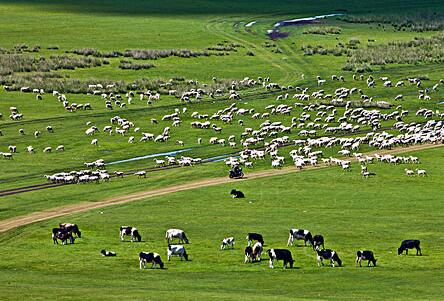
351 212
375 214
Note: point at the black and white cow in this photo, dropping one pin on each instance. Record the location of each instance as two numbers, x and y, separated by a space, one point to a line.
280 254
176 233
253 253
328 254
229 241
365 255
108 253
71 228
236 194
178 250
410 244
154 258
133 232
300 234
318 241
63 235
254 236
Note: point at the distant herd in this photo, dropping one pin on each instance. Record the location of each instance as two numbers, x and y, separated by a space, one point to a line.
253 252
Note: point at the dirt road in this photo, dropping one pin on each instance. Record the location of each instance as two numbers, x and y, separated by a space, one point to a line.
18 221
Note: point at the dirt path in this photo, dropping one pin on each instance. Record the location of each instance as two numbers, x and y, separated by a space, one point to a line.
18 221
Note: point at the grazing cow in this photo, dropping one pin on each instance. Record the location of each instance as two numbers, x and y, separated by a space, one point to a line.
126 230
253 253
254 236
300 235
71 228
177 233
409 244
63 235
229 241
108 253
318 240
280 254
237 194
365 255
178 250
248 254
328 254
154 258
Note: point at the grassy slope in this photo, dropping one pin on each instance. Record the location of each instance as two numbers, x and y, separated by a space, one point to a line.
361 214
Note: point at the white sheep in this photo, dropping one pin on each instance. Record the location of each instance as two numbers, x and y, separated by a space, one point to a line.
94 142
421 172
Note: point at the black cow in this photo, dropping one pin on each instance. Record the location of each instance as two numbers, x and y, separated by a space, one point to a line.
237 194
71 228
253 253
254 236
108 253
280 254
328 255
300 234
154 258
409 244
365 255
318 241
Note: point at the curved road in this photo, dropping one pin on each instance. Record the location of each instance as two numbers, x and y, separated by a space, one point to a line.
27 219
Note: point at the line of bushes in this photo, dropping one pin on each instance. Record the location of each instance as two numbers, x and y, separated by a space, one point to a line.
322 30
415 22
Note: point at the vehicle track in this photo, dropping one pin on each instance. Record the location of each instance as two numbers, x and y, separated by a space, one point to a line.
27 219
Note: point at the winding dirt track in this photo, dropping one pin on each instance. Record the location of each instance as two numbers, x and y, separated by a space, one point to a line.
22 220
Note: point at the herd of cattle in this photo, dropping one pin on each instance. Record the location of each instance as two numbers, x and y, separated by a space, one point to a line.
253 252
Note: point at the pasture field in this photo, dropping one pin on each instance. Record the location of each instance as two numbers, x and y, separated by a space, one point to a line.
164 49
375 214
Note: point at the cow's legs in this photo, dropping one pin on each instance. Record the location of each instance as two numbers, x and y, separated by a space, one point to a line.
271 264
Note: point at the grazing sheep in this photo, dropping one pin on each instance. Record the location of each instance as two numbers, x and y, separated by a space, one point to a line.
140 174
409 172
421 172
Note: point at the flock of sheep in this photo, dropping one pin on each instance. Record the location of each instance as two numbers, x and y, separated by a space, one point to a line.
320 125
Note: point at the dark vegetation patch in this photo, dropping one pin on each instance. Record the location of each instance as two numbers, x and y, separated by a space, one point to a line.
126 64
419 50
322 30
16 62
150 54
415 22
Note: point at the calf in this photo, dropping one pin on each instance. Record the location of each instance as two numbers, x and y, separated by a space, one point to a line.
178 250
229 241
365 255
236 194
409 244
133 232
254 236
280 254
154 258
108 253
300 235
318 241
328 255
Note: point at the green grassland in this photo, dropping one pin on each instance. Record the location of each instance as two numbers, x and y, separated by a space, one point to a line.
351 212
